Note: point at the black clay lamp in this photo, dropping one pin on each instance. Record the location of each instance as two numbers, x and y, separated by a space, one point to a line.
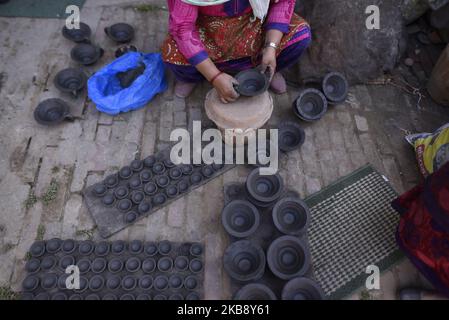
196 249
131 217
96 283
158 168
65 262
291 136
108 200
190 283
136 247
240 218
255 291
85 248
196 266
52 112
111 181
264 189
144 207
33 266
172 191
160 283
102 249
86 54
71 80
175 282
30 283
244 261
118 247
288 258
165 264
84 265
335 87
175 173
183 185
162 181
120 32
311 105
149 265
159 199
37 249
125 172
124 205
291 216
196 178
53 245
187 169
132 264
150 249
207 171
48 263
150 188
302 289
251 83
99 265
115 265
81 34
135 183
100 189
193 296
129 283
137 165
149 162
121 192
146 282
68 246
181 263
146 176
137 197
164 248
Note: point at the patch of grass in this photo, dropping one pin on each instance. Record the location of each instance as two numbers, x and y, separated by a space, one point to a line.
7 294
87 234
147 8
55 169
31 200
51 194
27 256
40 232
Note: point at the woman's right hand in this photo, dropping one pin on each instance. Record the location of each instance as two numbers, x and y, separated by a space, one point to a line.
224 84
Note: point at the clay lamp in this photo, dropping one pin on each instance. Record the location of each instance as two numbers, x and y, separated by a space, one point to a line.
124 205
158 168
160 283
115 265
120 32
172 191
99 190
71 80
146 176
196 266
84 285
30 283
144 207
240 218
288 258
130 217
160 297
49 281
311 105
291 216
183 186
53 245
121 192
66 262
99 265
149 265
135 183
111 181
193 296
264 189
109 297
136 247
150 161
165 264
133 265
113 282
251 83
187 169
48 263
175 173
181 263
150 189
162 181
127 297
137 165
62 281
81 34
83 265
60 296
175 282
118 247
207 171
93 297
52 112
151 249
159 199
196 178
125 173
37 249
108 200
335 87
168 163
244 261
196 249
176 297
143 297
68 246
33 266
129 283
137 197
85 248
291 136
302 289
26 296
75 297
255 291
146 282
190 283
86 54
164 248
96 283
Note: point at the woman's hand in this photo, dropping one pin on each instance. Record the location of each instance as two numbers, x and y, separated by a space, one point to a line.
224 84
269 62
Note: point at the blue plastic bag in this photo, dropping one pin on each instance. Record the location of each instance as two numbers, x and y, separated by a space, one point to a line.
105 91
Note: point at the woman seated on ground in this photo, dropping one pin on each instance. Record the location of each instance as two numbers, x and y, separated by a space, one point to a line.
211 39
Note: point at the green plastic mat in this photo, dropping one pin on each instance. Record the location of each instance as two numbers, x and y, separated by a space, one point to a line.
352 226
38 8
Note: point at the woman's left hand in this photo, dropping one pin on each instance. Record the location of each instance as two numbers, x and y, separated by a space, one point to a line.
269 62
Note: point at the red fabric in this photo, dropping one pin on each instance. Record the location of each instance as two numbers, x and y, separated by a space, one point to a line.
423 231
